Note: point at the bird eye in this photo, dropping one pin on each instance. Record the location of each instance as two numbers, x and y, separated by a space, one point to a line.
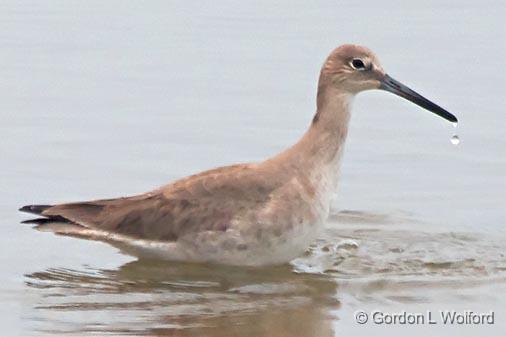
357 64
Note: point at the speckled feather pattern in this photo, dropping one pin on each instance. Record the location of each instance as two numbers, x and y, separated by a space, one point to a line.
246 214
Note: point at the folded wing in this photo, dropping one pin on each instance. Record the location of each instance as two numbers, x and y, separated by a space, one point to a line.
205 202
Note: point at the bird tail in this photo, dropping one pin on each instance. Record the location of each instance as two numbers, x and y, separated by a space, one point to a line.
35 209
38 210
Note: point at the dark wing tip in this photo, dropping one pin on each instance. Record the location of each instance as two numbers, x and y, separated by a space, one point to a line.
37 221
34 209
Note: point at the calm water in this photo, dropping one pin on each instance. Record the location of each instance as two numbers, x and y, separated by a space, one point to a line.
102 99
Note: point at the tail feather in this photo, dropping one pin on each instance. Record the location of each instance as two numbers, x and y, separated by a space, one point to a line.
38 210
41 221
35 209
82 213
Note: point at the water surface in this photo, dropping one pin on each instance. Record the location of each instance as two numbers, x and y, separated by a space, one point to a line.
102 99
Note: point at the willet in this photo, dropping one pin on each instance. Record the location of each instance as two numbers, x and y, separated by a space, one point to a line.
247 214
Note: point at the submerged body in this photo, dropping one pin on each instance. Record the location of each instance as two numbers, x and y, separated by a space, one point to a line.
247 214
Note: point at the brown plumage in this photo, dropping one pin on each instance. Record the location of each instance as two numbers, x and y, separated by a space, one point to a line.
205 201
248 214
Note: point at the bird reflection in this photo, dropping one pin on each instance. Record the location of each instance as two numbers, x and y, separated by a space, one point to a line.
183 300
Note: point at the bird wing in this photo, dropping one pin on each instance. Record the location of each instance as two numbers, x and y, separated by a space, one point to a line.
208 201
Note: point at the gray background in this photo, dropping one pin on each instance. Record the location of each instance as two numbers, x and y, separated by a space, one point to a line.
110 98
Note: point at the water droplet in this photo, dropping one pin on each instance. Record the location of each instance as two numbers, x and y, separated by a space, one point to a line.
455 140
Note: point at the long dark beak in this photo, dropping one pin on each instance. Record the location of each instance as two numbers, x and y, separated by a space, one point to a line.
396 87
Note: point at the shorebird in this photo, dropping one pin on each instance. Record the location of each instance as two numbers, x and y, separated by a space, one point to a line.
247 214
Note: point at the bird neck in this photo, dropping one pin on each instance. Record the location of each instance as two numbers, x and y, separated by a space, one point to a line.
317 154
